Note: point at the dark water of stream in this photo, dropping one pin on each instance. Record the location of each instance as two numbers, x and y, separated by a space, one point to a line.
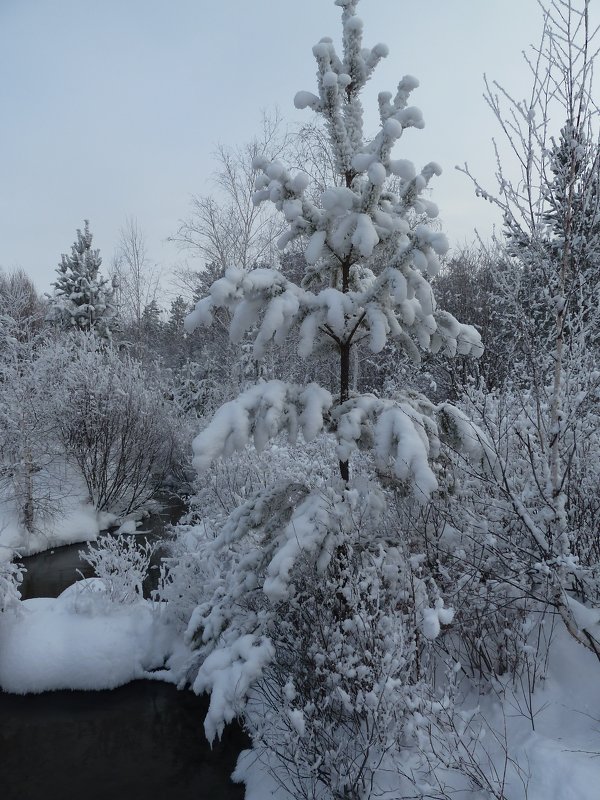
143 740
49 573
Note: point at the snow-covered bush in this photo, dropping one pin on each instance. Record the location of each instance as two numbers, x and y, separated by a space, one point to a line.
29 448
316 627
219 491
121 563
530 558
195 392
115 426
11 575
227 484
491 540
77 421
466 540
541 507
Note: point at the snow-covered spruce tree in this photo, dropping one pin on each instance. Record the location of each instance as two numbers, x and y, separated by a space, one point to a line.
82 299
312 623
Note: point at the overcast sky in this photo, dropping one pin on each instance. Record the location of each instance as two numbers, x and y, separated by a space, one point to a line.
112 108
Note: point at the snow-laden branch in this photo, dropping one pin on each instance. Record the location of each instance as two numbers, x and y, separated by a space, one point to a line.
465 437
227 674
397 305
259 414
404 433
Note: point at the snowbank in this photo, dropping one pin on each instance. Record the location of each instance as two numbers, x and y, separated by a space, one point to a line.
80 641
68 517
79 522
560 759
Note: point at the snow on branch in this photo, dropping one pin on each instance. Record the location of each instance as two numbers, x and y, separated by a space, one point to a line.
259 414
464 436
309 530
11 576
398 304
403 434
227 674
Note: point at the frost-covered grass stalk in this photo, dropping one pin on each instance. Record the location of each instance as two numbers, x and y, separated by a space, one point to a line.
318 569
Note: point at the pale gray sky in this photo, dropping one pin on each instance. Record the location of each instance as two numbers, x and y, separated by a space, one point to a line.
112 108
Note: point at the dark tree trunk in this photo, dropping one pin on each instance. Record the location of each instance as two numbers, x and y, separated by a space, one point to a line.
345 348
344 393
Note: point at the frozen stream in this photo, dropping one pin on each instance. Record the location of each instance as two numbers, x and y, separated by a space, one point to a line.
143 740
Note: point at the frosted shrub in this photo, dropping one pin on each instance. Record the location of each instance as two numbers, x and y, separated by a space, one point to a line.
483 579
543 503
508 566
228 483
75 400
11 575
30 454
121 563
319 631
115 426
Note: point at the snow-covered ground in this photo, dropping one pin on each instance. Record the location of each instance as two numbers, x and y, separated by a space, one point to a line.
72 520
78 522
81 640
560 758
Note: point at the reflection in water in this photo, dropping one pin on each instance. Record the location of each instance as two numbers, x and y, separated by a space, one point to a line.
143 740
49 573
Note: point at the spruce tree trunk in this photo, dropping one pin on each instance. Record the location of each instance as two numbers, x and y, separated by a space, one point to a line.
345 348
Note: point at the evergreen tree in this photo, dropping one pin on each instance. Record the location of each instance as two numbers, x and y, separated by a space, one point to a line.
294 554
151 323
557 253
368 248
177 314
82 299
573 219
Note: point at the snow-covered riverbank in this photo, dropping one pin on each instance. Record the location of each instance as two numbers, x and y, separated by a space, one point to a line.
77 521
81 640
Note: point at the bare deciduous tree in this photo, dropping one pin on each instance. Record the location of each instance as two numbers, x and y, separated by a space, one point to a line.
136 278
552 220
227 228
20 301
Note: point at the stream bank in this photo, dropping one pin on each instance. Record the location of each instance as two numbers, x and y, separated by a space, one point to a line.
144 739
